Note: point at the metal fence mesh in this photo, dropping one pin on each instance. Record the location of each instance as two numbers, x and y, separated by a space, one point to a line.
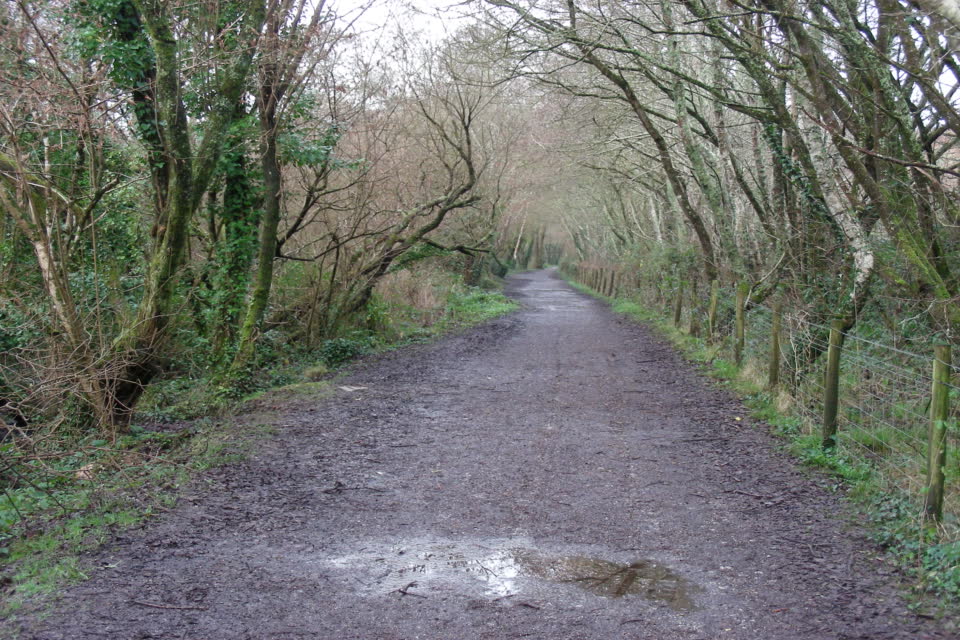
883 418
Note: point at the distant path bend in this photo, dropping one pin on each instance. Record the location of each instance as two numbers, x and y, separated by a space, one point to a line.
559 473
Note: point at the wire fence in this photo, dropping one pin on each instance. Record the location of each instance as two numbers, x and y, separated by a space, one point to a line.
884 398
884 390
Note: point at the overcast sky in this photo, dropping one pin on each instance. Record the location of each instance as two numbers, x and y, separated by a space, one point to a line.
435 18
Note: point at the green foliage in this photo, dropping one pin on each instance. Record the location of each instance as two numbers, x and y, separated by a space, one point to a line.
316 372
416 253
53 513
940 570
121 234
237 215
895 524
111 31
301 151
671 264
339 350
724 369
181 398
378 318
630 308
474 305
16 328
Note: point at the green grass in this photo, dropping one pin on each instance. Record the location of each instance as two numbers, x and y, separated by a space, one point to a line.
891 514
71 505
473 306
54 512
464 307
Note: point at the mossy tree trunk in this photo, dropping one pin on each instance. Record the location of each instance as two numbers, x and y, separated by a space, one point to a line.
234 232
280 69
267 241
191 166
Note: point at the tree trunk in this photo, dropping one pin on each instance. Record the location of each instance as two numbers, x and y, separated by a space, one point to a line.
270 94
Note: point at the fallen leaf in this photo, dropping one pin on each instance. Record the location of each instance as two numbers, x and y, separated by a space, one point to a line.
86 472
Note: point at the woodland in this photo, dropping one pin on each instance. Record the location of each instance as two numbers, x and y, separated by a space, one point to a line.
196 194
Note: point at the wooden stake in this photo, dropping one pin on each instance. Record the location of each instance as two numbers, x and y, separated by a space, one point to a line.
678 307
831 385
937 445
712 311
774 380
740 330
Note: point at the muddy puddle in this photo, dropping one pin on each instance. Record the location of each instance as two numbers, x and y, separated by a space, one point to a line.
551 299
507 570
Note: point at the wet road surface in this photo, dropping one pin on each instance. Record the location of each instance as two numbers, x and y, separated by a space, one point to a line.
558 473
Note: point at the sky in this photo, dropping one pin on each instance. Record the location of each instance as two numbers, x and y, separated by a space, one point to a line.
434 18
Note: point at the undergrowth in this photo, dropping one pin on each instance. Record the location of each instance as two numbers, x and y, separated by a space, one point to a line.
892 515
61 499
54 509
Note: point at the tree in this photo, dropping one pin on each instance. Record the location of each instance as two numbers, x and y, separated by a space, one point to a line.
282 72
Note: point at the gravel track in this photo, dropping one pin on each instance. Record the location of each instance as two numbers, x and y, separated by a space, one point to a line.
559 473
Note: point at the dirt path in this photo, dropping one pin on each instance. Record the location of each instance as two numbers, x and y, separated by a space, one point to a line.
558 473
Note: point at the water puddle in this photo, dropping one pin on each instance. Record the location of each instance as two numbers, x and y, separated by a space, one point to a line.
610 579
506 571
556 299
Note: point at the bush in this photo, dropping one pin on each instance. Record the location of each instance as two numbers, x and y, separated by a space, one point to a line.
339 350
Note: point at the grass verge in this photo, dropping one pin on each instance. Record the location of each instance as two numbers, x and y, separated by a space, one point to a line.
55 509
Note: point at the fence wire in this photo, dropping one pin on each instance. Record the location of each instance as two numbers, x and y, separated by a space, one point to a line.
883 416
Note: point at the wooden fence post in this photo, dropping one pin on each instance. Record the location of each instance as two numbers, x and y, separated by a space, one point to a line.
937 445
696 311
831 385
774 379
678 306
742 290
712 310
